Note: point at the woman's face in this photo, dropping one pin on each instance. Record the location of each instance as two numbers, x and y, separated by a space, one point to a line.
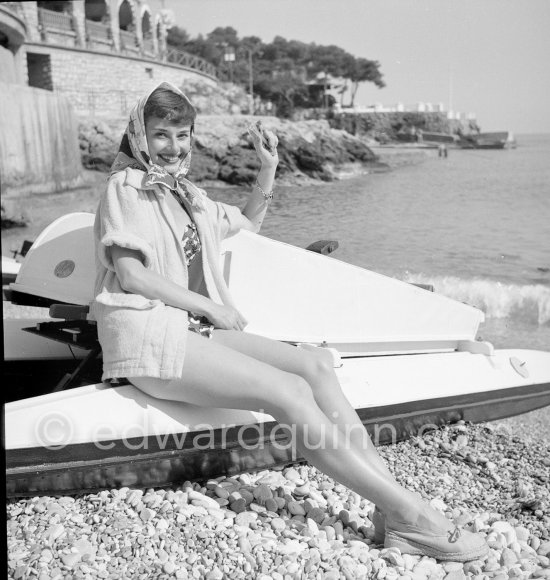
168 142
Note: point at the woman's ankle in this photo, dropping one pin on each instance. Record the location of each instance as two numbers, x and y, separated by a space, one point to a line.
414 510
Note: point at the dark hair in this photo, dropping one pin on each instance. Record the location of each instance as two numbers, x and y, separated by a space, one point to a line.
165 104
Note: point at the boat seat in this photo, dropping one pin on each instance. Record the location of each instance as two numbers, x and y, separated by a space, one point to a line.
324 247
73 329
69 311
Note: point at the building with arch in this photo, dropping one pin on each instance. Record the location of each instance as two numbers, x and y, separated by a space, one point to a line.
62 62
100 54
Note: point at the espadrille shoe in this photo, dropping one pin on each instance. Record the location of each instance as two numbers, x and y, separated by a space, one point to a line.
455 544
378 520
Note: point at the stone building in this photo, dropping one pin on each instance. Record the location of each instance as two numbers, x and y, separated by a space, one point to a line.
62 62
100 54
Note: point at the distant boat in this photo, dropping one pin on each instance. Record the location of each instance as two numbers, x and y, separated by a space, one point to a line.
495 140
444 138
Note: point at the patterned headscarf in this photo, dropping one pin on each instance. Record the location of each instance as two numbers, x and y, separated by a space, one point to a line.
134 153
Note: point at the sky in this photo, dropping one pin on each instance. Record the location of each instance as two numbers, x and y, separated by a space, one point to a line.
487 57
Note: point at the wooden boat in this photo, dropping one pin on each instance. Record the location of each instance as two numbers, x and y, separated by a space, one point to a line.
495 140
407 359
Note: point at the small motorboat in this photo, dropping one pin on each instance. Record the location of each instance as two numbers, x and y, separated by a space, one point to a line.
407 359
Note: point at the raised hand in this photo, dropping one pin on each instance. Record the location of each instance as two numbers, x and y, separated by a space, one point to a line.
265 143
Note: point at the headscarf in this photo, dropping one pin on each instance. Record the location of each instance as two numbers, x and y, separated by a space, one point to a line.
134 153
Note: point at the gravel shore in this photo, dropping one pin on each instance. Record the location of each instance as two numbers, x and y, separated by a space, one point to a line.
295 522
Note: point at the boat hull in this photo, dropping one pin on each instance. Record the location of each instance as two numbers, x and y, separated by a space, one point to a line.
396 397
86 468
495 140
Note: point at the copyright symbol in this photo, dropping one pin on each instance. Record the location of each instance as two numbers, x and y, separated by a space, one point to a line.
53 431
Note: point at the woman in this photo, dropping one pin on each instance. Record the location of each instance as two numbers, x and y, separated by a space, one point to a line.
168 325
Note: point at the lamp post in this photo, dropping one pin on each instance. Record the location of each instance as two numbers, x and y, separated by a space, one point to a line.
325 98
229 57
251 81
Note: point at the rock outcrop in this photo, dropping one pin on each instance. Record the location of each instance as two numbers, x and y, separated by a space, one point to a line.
223 151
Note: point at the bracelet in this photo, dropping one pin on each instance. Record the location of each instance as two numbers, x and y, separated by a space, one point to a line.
267 196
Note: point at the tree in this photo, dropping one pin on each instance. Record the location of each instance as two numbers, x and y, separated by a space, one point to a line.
177 37
284 71
224 36
284 90
364 70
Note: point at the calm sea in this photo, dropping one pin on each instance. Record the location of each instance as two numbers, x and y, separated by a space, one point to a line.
476 225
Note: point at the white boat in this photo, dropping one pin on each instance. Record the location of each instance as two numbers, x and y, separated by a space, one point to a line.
407 359
10 269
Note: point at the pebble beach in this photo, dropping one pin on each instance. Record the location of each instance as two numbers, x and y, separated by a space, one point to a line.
294 522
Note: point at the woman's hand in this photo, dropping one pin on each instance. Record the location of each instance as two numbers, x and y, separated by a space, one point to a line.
226 317
265 143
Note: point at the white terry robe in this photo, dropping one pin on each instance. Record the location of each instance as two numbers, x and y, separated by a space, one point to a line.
142 337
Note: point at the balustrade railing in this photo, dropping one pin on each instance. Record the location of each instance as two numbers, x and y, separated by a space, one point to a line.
128 41
98 31
148 46
51 20
190 60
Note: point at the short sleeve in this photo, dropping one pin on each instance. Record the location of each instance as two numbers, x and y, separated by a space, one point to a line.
228 218
122 220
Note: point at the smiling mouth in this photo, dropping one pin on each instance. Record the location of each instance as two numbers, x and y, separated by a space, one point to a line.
169 158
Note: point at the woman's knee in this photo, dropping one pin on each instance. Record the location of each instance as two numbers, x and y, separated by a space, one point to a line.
291 395
318 369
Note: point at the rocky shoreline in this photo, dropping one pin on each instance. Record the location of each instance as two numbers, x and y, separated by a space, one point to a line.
222 150
310 152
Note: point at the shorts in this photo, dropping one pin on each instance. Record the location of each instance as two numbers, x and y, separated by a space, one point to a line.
199 324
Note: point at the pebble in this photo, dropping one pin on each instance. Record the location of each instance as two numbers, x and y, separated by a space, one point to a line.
280 523
296 508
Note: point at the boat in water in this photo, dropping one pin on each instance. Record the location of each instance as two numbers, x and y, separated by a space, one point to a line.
406 357
495 140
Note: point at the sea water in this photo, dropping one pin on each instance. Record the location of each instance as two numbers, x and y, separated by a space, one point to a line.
475 225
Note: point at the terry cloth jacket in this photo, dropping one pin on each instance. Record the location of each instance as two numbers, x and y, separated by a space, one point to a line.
142 337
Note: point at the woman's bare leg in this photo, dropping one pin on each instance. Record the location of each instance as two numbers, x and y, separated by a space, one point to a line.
217 376
316 368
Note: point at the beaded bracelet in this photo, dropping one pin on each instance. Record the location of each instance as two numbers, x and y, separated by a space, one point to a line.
267 196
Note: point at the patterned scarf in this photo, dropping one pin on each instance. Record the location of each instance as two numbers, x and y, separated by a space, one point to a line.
134 153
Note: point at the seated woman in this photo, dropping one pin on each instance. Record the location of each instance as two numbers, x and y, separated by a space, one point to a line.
167 322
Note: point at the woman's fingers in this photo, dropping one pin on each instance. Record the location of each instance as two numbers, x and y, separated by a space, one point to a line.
271 138
241 321
263 139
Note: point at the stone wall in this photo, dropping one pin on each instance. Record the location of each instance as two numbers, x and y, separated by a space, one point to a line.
103 85
8 72
388 126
